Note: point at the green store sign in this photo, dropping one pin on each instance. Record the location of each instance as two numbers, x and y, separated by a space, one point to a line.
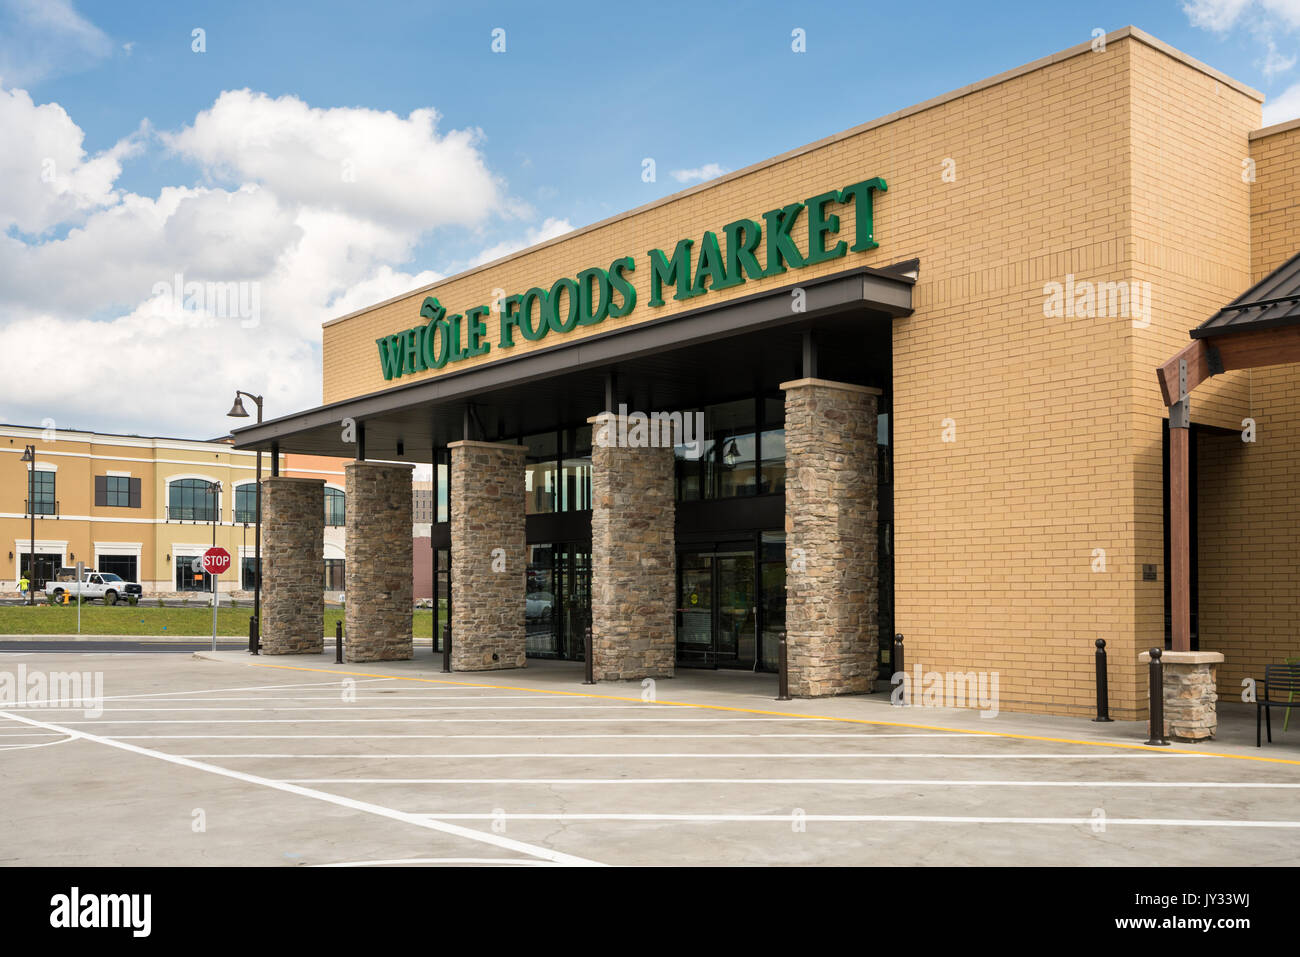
596 294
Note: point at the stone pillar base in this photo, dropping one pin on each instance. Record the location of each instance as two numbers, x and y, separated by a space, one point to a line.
377 571
293 550
830 524
1190 695
633 556
489 556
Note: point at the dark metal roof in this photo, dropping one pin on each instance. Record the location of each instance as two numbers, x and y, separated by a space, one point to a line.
1271 303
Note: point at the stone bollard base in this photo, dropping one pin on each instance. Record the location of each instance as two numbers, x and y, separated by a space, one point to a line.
1190 695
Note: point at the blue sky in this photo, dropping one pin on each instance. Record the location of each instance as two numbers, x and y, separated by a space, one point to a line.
546 136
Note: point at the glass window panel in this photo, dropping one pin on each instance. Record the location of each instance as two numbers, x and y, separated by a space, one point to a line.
334 574
442 492
733 465
773 446
192 500
246 504
335 506
43 493
540 611
882 428
118 491
539 473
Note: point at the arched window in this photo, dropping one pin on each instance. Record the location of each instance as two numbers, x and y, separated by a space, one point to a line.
246 503
193 500
335 506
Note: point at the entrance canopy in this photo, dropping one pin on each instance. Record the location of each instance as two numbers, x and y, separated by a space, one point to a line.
677 362
1261 327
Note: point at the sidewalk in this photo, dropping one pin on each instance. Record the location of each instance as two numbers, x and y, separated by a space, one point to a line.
757 692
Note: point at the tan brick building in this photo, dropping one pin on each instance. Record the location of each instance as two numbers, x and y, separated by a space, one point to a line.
989 279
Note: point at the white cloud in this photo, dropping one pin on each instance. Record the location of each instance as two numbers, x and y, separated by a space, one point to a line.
52 178
1284 107
371 164
1268 21
549 229
700 173
90 334
44 38
1274 62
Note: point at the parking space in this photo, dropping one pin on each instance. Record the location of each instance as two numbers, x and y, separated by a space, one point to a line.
315 763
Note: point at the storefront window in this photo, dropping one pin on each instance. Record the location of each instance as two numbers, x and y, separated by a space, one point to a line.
539 602
187 579
773 447
772 552
575 471
539 473
440 485
725 463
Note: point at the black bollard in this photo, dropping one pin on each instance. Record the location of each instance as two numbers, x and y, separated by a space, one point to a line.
1157 703
783 670
252 635
338 642
1103 692
589 661
897 666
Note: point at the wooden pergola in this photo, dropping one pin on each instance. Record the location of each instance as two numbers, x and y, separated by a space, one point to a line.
1261 327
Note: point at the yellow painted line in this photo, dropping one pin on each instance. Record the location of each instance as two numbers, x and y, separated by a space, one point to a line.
787 714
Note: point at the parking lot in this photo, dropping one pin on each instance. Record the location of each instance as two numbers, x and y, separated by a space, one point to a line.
231 759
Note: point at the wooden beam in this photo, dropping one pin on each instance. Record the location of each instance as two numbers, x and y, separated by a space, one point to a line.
1259 347
1180 540
1198 370
1251 349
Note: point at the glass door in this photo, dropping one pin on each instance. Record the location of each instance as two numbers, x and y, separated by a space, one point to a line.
695 636
716 609
735 610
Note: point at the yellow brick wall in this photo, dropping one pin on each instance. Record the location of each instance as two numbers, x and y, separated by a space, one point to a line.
1060 169
1249 495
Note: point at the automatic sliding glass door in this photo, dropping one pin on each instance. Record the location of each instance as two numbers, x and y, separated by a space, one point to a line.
716 609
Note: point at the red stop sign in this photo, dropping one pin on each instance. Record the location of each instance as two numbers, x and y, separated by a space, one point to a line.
216 560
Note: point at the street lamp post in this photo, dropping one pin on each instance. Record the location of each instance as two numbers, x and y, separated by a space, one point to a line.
237 411
29 456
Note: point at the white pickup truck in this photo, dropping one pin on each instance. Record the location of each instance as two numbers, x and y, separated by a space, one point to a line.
95 586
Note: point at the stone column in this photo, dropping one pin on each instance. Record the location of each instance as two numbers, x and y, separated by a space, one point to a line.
489 556
1191 695
633 558
293 556
377 562
830 523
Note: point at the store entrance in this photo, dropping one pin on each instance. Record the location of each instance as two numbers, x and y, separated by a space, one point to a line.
558 600
717 608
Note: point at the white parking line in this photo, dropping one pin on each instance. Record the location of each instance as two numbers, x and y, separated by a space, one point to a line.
363 806
163 694
868 818
514 861
335 697
899 782
337 706
709 755
421 720
531 737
